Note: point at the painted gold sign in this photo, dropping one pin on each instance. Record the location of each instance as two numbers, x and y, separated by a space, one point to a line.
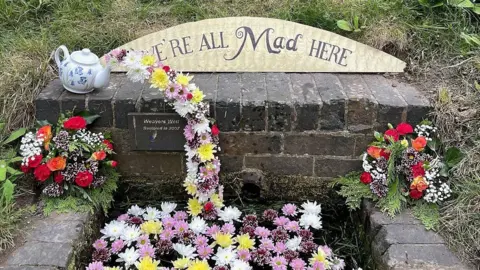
250 44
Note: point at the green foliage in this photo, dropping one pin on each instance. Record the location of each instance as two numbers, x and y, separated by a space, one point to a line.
468 4
351 26
8 175
96 199
453 156
428 214
352 189
394 202
396 150
10 217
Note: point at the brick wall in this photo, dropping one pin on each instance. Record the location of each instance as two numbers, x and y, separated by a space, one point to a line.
296 131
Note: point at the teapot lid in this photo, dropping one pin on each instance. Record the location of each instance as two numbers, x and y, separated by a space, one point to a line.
84 57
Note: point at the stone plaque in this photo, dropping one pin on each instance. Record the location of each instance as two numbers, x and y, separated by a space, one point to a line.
157 131
252 44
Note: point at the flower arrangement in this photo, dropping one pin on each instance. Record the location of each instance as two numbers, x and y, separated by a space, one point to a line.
67 159
167 239
403 166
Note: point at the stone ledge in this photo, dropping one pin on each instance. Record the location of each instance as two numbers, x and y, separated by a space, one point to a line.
403 243
53 242
258 101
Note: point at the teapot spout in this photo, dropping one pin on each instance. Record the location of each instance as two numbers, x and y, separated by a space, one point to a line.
102 78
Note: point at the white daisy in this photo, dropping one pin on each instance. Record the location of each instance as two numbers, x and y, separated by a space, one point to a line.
130 234
138 74
152 214
310 220
198 225
224 256
183 108
229 213
135 210
294 243
311 208
240 265
113 230
168 207
202 127
129 257
184 250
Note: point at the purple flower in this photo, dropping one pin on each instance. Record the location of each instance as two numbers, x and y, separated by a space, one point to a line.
100 244
250 220
167 234
262 232
117 246
168 222
327 250
188 132
292 226
95 266
244 255
206 173
147 250
270 214
180 226
266 244
143 240
289 209
180 215
279 263
201 240
212 230
228 228
261 256
279 234
281 221
204 251
205 138
297 264
280 247
317 266
123 217
172 91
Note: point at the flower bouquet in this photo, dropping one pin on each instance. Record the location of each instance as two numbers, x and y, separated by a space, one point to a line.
167 239
67 159
404 166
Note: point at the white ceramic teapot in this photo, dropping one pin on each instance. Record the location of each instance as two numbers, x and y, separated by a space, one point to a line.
81 71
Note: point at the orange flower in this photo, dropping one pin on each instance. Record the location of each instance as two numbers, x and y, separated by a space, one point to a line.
99 155
45 133
419 143
57 163
419 183
374 152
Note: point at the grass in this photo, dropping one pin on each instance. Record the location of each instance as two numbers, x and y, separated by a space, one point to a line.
431 40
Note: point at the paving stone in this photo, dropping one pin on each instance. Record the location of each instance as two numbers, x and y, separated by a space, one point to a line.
281 165
279 101
307 102
254 96
392 108
125 100
100 102
418 105
332 115
70 102
227 106
41 254
361 111
55 231
379 219
422 257
319 144
335 167
24 267
47 104
239 143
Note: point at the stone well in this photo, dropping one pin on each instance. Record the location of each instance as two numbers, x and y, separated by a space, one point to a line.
284 134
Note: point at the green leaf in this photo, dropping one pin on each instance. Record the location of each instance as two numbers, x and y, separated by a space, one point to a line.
476 9
15 159
353 190
89 117
2 126
434 144
463 3
378 136
15 135
3 170
43 123
477 85
453 156
8 188
428 214
355 22
14 172
431 3
344 25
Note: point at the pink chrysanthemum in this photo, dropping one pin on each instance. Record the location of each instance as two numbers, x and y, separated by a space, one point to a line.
262 232
204 251
123 217
244 255
205 138
212 230
292 226
267 244
95 266
228 228
201 240
289 209
281 221
297 264
100 244
189 133
317 266
280 247
143 240
147 250
167 234
168 222
180 215
279 263
117 246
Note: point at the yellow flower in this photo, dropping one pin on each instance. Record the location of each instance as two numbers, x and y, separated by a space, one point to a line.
151 227
194 207
183 79
148 60
205 152
199 265
147 263
181 263
197 96
191 188
159 79
320 256
244 242
223 239
216 200
404 143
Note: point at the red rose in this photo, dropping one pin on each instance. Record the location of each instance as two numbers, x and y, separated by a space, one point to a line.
75 123
25 169
415 194
35 162
419 143
42 172
84 179
384 153
404 129
112 163
99 155
215 130
58 177
366 178
418 170
391 133
189 96
108 144
166 68
208 207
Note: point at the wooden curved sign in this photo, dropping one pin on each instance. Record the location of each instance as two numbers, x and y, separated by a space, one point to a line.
250 44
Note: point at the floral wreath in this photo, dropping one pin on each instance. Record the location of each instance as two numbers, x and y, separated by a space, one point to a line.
216 234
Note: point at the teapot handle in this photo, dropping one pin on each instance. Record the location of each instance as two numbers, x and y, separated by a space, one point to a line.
66 54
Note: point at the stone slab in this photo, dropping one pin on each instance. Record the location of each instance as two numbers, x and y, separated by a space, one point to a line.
332 116
307 102
41 254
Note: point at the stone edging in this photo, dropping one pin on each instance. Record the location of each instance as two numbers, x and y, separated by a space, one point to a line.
403 243
54 242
